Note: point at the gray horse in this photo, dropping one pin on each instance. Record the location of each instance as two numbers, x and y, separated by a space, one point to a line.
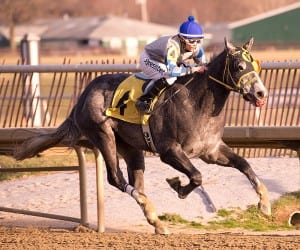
187 122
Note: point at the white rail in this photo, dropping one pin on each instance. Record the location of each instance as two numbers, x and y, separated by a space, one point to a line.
46 68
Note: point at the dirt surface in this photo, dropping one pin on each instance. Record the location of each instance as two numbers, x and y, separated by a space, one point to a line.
125 225
33 238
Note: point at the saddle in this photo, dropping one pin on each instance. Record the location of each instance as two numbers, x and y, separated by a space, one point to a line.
125 97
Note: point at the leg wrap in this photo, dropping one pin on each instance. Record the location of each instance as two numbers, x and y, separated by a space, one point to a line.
131 191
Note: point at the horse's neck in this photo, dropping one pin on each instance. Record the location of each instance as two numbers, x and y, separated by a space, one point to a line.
209 94
217 65
220 93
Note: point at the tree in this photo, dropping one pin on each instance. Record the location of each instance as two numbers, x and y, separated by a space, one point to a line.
168 12
15 12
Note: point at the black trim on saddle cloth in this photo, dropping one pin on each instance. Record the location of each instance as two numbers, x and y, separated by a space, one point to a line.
123 106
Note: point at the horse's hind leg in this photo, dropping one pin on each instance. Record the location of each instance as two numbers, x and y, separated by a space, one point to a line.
135 164
104 139
226 157
135 167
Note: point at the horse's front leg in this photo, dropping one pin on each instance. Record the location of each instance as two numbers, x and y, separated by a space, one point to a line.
176 158
226 157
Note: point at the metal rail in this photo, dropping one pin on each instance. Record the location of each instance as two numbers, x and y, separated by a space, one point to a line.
278 123
11 137
46 68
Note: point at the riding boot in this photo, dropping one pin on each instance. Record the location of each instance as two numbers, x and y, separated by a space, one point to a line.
143 103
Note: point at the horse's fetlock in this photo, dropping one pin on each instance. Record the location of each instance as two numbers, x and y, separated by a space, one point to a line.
141 199
152 219
197 179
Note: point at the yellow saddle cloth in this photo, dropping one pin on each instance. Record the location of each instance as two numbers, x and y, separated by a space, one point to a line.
124 99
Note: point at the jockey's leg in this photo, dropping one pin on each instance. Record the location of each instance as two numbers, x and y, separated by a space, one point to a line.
157 71
153 89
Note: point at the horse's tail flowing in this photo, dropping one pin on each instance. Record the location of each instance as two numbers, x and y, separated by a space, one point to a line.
67 131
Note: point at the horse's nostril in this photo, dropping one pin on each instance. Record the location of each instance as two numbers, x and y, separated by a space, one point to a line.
260 94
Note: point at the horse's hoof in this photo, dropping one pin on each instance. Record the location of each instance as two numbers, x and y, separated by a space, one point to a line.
181 196
174 183
265 208
162 230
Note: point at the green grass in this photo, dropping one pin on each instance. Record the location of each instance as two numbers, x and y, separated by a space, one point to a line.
173 219
249 219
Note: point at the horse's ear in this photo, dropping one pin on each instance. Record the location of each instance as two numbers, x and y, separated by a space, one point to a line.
229 46
248 45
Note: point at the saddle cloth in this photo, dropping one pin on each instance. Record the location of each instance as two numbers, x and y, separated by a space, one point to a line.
124 99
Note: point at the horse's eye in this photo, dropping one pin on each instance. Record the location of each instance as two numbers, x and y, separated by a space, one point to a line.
241 66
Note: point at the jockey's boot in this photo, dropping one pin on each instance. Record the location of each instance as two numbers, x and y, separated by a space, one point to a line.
143 103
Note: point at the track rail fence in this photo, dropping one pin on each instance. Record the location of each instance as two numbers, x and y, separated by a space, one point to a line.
25 104
36 98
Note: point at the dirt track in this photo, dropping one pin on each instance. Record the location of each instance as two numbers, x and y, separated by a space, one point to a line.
125 225
33 238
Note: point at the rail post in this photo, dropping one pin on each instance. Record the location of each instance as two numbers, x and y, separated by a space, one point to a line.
82 186
30 56
100 190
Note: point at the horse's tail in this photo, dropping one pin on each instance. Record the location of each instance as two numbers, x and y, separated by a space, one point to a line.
67 131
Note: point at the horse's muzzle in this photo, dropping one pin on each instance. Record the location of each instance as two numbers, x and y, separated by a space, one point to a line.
258 99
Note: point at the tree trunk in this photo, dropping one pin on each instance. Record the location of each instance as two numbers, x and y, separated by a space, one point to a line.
13 45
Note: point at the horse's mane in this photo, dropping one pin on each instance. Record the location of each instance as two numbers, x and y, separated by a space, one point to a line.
214 57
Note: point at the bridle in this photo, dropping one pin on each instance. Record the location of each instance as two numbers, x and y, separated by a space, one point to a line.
228 80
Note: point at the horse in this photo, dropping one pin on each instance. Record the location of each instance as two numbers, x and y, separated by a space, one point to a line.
186 122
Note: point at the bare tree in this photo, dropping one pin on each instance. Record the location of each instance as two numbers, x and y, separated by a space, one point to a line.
14 12
169 12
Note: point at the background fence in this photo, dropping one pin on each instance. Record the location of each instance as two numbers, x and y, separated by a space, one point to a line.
44 95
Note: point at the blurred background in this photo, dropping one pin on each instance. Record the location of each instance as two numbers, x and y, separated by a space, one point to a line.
122 27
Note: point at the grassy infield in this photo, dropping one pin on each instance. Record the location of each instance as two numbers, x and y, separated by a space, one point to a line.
249 219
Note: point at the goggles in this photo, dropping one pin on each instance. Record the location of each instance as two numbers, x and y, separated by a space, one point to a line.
190 40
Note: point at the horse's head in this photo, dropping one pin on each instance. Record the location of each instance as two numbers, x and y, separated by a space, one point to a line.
241 74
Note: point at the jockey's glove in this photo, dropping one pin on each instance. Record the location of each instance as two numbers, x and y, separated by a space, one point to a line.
199 69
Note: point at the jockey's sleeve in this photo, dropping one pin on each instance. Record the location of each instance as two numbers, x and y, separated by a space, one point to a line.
171 62
174 70
200 58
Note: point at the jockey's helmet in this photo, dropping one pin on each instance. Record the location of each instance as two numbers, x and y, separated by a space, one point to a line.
190 29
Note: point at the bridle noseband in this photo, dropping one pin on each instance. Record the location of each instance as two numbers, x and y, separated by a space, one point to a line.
227 80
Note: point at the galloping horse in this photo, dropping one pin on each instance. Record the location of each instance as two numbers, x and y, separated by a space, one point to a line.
187 122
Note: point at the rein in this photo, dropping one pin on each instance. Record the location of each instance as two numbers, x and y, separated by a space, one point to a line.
175 93
146 129
227 73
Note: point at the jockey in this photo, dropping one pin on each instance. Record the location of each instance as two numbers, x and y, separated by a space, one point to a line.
167 58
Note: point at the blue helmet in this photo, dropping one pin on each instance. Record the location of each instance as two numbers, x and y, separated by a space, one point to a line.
191 29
